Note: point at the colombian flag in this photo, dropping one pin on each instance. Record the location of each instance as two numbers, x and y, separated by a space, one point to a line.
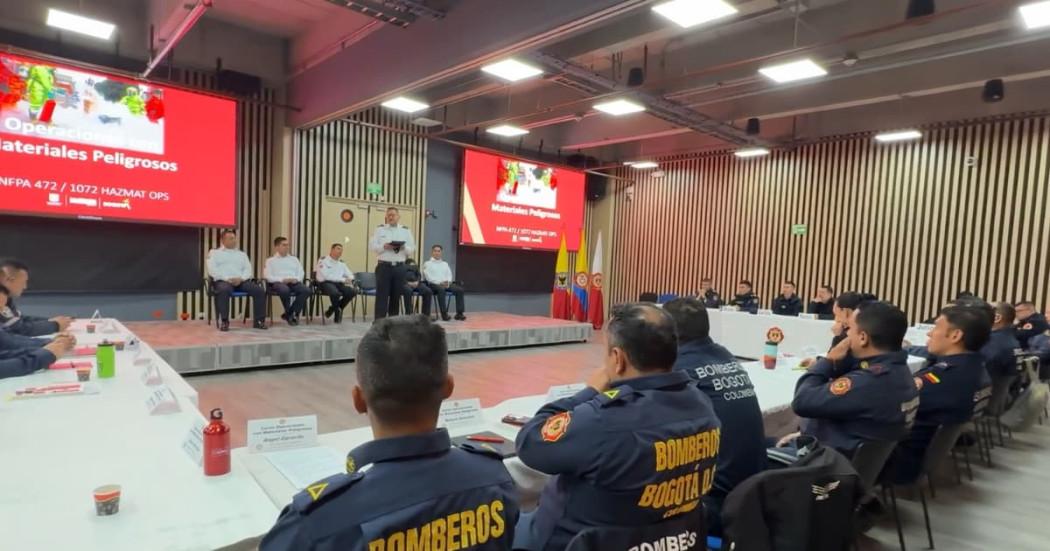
560 296
595 304
580 282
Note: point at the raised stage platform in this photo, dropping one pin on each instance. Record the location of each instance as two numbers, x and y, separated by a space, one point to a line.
195 346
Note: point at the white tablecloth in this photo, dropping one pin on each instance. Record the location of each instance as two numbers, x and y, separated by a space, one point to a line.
56 450
745 334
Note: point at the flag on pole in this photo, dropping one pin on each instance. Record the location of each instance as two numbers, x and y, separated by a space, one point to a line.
560 296
580 282
595 306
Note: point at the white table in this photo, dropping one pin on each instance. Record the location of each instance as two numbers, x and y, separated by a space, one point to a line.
57 450
744 334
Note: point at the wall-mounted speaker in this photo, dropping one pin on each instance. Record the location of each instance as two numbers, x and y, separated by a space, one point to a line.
595 187
994 91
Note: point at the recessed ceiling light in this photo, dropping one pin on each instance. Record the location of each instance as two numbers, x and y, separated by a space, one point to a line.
690 13
401 103
898 136
507 130
512 70
1036 15
619 107
751 152
645 164
79 24
795 70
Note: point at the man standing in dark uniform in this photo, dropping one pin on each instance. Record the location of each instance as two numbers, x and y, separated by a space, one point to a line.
870 397
788 303
408 488
618 446
745 300
393 243
948 388
1029 323
726 383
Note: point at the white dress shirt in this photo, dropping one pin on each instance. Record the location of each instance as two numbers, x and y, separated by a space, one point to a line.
330 269
437 271
279 268
226 264
388 234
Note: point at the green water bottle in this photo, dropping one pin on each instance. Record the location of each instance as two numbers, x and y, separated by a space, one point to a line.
106 356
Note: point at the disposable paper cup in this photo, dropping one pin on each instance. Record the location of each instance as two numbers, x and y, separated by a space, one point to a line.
83 374
91 328
107 500
119 345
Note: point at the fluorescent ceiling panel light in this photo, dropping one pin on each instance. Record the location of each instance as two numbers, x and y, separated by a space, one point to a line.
751 152
690 13
645 164
507 130
401 103
795 70
423 121
619 107
512 70
79 24
1036 15
898 136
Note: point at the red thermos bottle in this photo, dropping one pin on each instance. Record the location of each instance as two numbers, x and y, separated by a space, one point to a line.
216 445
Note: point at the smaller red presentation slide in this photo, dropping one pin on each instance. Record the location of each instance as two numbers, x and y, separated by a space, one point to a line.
81 144
519 204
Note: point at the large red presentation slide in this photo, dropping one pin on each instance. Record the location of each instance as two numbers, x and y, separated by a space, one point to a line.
514 203
80 144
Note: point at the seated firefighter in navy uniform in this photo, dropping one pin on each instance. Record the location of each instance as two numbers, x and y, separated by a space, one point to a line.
637 447
954 379
863 390
408 488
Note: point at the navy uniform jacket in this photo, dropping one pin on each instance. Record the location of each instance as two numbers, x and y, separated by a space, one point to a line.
746 303
411 492
30 326
1000 352
711 299
1028 328
783 306
948 389
17 359
633 455
823 310
875 399
726 383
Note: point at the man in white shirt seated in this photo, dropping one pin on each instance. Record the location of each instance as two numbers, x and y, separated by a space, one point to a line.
231 270
284 275
438 276
335 280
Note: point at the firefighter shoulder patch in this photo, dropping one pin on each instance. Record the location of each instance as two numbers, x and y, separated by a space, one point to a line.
841 386
556 427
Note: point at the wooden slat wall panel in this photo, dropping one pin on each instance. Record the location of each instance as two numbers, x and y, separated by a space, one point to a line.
340 158
912 222
255 166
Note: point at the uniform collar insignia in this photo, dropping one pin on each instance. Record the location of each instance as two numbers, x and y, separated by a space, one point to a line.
387 449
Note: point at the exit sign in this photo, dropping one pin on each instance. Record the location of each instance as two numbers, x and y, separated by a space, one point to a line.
799 229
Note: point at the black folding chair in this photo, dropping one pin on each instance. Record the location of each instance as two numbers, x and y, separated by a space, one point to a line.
209 289
869 459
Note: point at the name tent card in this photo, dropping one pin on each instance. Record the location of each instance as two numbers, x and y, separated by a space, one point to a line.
193 444
765 312
728 308
282 433
807 316
150 372
460 413
557 392
162 402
